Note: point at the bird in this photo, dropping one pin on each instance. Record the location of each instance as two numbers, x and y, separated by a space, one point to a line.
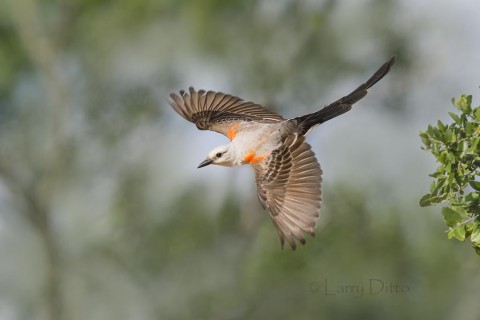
288 176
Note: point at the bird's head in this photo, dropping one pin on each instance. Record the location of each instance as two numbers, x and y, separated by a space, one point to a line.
222 156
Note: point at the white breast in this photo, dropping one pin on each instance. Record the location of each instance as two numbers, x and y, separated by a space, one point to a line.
258 138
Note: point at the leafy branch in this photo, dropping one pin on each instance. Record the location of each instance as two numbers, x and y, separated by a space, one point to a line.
456 147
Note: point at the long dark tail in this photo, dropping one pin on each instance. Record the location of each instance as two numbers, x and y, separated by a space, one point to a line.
344 104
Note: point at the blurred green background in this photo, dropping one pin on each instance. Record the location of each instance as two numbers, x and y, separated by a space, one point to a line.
103 214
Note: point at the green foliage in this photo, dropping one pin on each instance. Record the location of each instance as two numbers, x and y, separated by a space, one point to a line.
457 148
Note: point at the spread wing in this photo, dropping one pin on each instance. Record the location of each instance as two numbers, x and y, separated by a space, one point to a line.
345 103
217 111
288 185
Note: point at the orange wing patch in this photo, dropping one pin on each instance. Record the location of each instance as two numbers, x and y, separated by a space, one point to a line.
232 132
251 157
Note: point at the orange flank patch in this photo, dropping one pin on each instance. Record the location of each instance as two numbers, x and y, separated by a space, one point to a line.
250 157
232 132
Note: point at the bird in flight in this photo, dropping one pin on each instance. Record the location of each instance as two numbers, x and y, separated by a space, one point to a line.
287 174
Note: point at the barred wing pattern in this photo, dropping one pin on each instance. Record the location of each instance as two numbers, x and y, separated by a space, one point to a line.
217 111
289 186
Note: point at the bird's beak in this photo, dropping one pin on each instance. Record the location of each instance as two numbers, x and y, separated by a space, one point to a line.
205 163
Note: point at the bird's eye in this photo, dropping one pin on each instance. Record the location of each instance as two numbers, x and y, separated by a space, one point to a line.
219 154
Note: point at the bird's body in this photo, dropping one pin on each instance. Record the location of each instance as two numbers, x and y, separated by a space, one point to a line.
252 143
287 174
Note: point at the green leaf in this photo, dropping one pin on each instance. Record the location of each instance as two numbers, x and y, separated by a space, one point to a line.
476 113
461 148
461 211
475 236
475 185
425 138
438 187
476 246
469 228
472 197
464 103
435 149
435 133
451 233
475 144
426 200
441 169
439 174
459 233
430 130
451 157
469 128
449 136
452 217
455 118
441 126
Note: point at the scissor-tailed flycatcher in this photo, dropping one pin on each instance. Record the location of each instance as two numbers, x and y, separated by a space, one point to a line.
287 173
